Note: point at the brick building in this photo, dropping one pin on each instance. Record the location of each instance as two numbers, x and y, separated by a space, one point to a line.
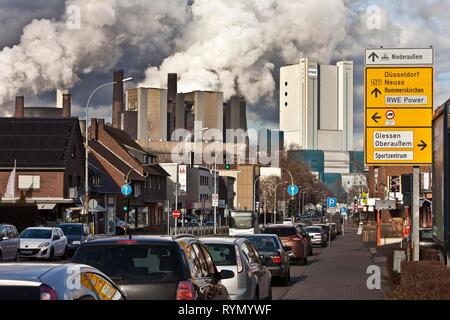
48 156
119 155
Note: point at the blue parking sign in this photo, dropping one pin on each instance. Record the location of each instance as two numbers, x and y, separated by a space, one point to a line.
331 202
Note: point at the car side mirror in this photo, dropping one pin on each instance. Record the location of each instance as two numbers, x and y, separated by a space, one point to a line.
226 274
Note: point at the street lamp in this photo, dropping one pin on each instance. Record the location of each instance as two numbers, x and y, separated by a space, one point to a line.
275 200
86 198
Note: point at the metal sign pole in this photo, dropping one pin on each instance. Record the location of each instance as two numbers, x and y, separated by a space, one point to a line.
416 213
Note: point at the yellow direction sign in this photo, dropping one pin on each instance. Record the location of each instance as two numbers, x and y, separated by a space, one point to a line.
398 115
399 87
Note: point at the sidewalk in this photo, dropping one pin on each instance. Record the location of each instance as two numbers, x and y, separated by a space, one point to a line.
337 273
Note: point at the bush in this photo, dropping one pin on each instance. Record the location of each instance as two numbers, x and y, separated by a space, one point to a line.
423 280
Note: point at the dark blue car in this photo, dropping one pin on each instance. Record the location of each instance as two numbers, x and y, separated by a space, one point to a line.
76 234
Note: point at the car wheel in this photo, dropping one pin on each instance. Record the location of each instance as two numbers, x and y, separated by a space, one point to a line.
65 254
287 277
52 254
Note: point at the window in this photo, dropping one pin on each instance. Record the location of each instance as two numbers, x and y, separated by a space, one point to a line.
285 94
137 190
111 201
29 182
286 84
104 289
194 263
202 260
209 260
222 254
285 104
3 232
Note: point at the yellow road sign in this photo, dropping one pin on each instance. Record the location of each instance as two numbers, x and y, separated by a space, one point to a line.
398 146
399 87
398 117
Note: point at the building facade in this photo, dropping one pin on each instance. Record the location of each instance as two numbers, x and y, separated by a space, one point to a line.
316 105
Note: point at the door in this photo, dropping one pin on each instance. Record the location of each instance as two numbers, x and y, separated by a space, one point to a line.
220 290
63 241
263 273
207 288
13 236
5 244
56 242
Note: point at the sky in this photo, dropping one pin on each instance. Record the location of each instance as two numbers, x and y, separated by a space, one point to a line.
235 46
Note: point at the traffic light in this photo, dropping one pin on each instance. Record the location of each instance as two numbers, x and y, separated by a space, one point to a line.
126 204
227 167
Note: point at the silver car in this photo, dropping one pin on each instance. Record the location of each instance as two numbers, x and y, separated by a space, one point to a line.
43 243
252 280
26 281
9 243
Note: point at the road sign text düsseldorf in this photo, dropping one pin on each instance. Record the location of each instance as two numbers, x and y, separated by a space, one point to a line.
398 110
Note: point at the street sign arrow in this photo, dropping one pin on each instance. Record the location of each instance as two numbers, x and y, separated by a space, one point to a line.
376 117
373 56
422 145
376 92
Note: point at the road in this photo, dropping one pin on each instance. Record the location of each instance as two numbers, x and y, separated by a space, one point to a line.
336 273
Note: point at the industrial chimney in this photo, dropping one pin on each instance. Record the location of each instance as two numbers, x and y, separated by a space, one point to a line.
172 87
67 105
117 99
20 107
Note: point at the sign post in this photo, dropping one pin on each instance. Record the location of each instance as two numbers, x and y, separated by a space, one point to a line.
176 214
399 101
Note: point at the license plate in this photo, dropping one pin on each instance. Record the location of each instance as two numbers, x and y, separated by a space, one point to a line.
26 251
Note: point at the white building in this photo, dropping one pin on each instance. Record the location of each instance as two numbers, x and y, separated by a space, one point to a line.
316 105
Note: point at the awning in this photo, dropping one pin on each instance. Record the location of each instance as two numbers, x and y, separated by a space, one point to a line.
46 206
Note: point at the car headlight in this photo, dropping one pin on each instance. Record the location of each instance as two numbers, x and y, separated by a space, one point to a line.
43 245
76 242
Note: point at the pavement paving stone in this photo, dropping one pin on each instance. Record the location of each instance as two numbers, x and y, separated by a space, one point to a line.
338 273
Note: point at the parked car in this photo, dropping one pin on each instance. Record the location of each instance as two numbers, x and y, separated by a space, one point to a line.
318 235
287 221
426 239
9 243
192 224
26 281
76 234
43 243
274 255
157 268
328 230
290 237
252 280
306 237
209 224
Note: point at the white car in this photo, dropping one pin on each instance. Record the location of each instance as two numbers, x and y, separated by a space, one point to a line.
287 221
43 243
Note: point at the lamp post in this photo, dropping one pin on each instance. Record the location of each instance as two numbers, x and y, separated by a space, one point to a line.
275 201
254 196
86 182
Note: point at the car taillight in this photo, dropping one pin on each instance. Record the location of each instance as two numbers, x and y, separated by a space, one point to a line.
276 259
48 293
186 291
126 242
240 266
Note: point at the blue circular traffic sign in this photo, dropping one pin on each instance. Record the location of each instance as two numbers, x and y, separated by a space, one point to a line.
293 190
126 189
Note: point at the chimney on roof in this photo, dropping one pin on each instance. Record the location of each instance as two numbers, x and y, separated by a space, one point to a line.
117 99
172 87
101 124
67 105
93 130
20 107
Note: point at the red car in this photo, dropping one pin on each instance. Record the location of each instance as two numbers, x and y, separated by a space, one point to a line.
290 237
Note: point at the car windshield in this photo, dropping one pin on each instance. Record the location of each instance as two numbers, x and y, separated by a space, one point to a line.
242 222
222 254
426 234
133 264
313 230
71 230
36 234
281 232
264 243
